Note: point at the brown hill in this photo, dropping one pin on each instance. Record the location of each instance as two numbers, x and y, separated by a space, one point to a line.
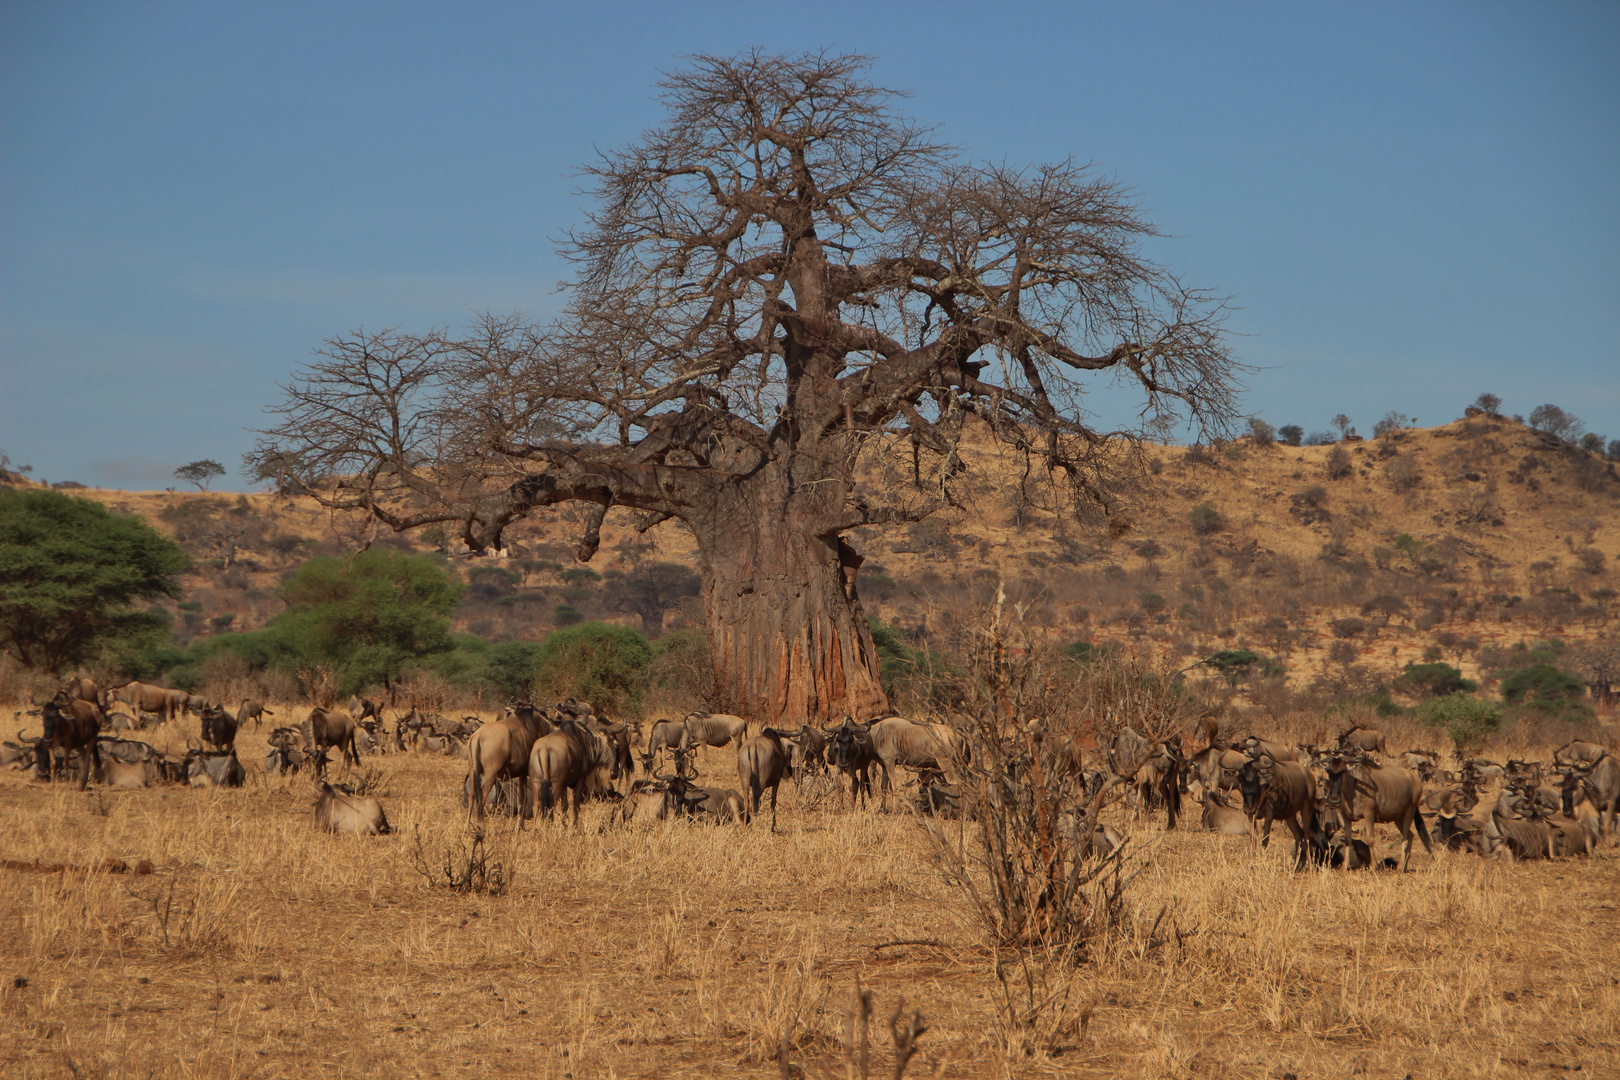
1344 562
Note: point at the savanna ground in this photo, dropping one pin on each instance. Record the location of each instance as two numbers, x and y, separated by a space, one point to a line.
259 948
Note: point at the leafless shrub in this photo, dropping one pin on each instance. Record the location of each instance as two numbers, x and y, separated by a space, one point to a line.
1338 464
466 866
904 1031
320 685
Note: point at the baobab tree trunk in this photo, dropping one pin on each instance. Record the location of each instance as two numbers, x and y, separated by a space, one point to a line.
786 628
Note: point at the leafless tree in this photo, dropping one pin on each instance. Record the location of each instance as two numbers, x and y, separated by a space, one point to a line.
783 285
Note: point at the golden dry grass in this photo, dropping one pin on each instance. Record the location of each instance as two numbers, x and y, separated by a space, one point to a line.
262 949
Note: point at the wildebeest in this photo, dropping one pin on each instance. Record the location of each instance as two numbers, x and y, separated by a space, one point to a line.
70 725
19 754
219 727
1579 752
1153 766
1599 785
899 742
1280 789
850 749
1378 793
143 697
500 751
762 762
1222 817
333 727
339 812
575 757
1254 746
214 768
252 709
809 749
712 729
1362 738
83 688
122 721
126 774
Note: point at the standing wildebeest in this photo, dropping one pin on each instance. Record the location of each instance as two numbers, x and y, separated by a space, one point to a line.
809 749
339 812
219 727
899 742
70 724
145 698
1155 767
83 688
1281 789
500 751
332 727
665 735
1378 793
572 758
1578 752
1599 784
1362 738
712 729
850 749
252 709
762 762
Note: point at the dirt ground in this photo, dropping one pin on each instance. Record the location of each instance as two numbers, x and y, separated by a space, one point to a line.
259 948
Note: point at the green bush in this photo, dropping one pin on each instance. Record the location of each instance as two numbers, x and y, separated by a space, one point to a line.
602 663
566 615
1084 652
69 573
1431 680
1236 664
1206 519
1541 682
1466 719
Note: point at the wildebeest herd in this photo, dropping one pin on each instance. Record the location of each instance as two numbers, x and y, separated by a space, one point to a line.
533 761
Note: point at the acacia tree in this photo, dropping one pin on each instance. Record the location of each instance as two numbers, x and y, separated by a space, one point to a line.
782 293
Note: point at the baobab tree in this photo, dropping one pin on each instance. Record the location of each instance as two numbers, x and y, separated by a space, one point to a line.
783 292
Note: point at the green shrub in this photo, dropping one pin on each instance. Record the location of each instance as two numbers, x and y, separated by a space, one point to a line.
1206 520
566 615
1431 680
1339 465
1466 719
1541 682
1233 663
597 662
1084 652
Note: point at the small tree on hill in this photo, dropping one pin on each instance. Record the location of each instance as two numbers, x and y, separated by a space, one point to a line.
1344 424
200 473
1557 422
1489 404
1291 434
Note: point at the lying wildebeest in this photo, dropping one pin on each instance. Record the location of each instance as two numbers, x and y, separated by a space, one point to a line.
1416 759
1599 785
19 754
762 762
122 721
333 727
219 727
500 751
575 757
70 725
673 795
712 729
128 775
1280 789
1459 820
1254 746
1103 841
849 749
286 753
339 812
252 709
1220 816
213 768
1360 788
1362 738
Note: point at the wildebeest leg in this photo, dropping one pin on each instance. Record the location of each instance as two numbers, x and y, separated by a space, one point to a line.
1299 840
773 809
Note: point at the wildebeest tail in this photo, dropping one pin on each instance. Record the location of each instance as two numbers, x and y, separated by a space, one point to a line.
547 798
1423 832
755 789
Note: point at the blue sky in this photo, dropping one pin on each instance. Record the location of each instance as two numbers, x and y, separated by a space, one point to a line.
1411 203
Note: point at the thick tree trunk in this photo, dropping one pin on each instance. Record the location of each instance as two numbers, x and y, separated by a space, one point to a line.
786 628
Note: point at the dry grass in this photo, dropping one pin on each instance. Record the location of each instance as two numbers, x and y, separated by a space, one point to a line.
260 948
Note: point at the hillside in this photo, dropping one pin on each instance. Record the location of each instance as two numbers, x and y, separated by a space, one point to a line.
1341 562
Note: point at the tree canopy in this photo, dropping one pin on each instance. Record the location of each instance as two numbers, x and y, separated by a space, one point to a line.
69 573
785 297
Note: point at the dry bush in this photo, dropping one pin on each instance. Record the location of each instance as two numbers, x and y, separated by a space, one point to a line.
320 685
